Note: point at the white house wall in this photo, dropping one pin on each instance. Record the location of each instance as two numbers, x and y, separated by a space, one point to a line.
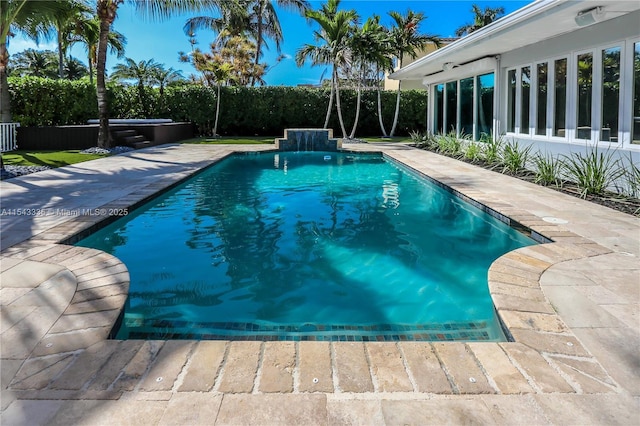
622 31
616 29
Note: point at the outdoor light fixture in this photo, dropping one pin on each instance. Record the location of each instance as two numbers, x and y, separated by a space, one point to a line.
448 66
591 16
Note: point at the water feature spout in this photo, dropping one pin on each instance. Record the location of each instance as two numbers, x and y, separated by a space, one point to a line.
309 140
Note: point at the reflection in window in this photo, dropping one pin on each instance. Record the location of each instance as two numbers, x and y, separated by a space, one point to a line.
560 98
541 110
636 95
525 79
485 104
439 109
466 106
511 101
452 107
585 87
610 94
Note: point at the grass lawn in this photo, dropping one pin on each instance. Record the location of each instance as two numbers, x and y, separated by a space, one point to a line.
395 139
234 140
47 158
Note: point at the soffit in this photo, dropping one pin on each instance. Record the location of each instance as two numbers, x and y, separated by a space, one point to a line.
538 21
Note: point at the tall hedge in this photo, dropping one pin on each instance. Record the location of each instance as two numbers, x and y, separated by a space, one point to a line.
244 110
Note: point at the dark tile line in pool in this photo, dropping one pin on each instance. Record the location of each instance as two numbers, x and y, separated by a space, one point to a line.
165 329
302 328
417 337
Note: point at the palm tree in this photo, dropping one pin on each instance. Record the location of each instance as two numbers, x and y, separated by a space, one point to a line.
143 72
481 18
26 16
221 74
74 69
163 77
106 11
251 19
87 32
35 63
267 22
406 39
369 48
65 22
335 31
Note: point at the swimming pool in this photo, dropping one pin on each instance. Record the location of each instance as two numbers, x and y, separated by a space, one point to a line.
308 246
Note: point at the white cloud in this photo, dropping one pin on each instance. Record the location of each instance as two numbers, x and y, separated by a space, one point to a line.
18 44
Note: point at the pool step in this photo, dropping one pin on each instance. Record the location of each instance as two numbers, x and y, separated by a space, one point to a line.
130 137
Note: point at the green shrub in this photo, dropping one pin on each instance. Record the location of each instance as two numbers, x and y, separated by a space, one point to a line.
472 151
548 169
514 158
243 110
492 149
594 171
449 144
632 178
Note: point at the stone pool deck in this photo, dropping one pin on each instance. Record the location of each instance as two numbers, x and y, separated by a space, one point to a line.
572 307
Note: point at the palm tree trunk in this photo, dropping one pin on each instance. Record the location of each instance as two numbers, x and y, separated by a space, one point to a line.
5 106
258 42
90 70
397 113
328 116
355 122
339 108
215 123
384 131
60 56
104 137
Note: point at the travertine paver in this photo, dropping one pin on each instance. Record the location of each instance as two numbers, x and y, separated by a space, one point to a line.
239 370
470 411
107 413
137 367
585 357
191 408
111 370
515 409
204 366
278 364
542 375
275 409
315 373
425 368
388 368
462 368
167 365
85 365
504 375
354 412
351 367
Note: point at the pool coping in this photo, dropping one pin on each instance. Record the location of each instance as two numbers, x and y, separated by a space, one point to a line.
535 363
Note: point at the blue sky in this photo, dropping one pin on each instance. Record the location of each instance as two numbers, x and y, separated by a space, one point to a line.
163 40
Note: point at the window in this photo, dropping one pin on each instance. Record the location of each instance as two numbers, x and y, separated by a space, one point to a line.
452 106
511 101
585 93
541 99
560 98
484 101
635 119
610 94
525 87
466 106
439 109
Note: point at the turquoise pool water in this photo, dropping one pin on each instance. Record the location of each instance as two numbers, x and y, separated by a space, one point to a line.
308 246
